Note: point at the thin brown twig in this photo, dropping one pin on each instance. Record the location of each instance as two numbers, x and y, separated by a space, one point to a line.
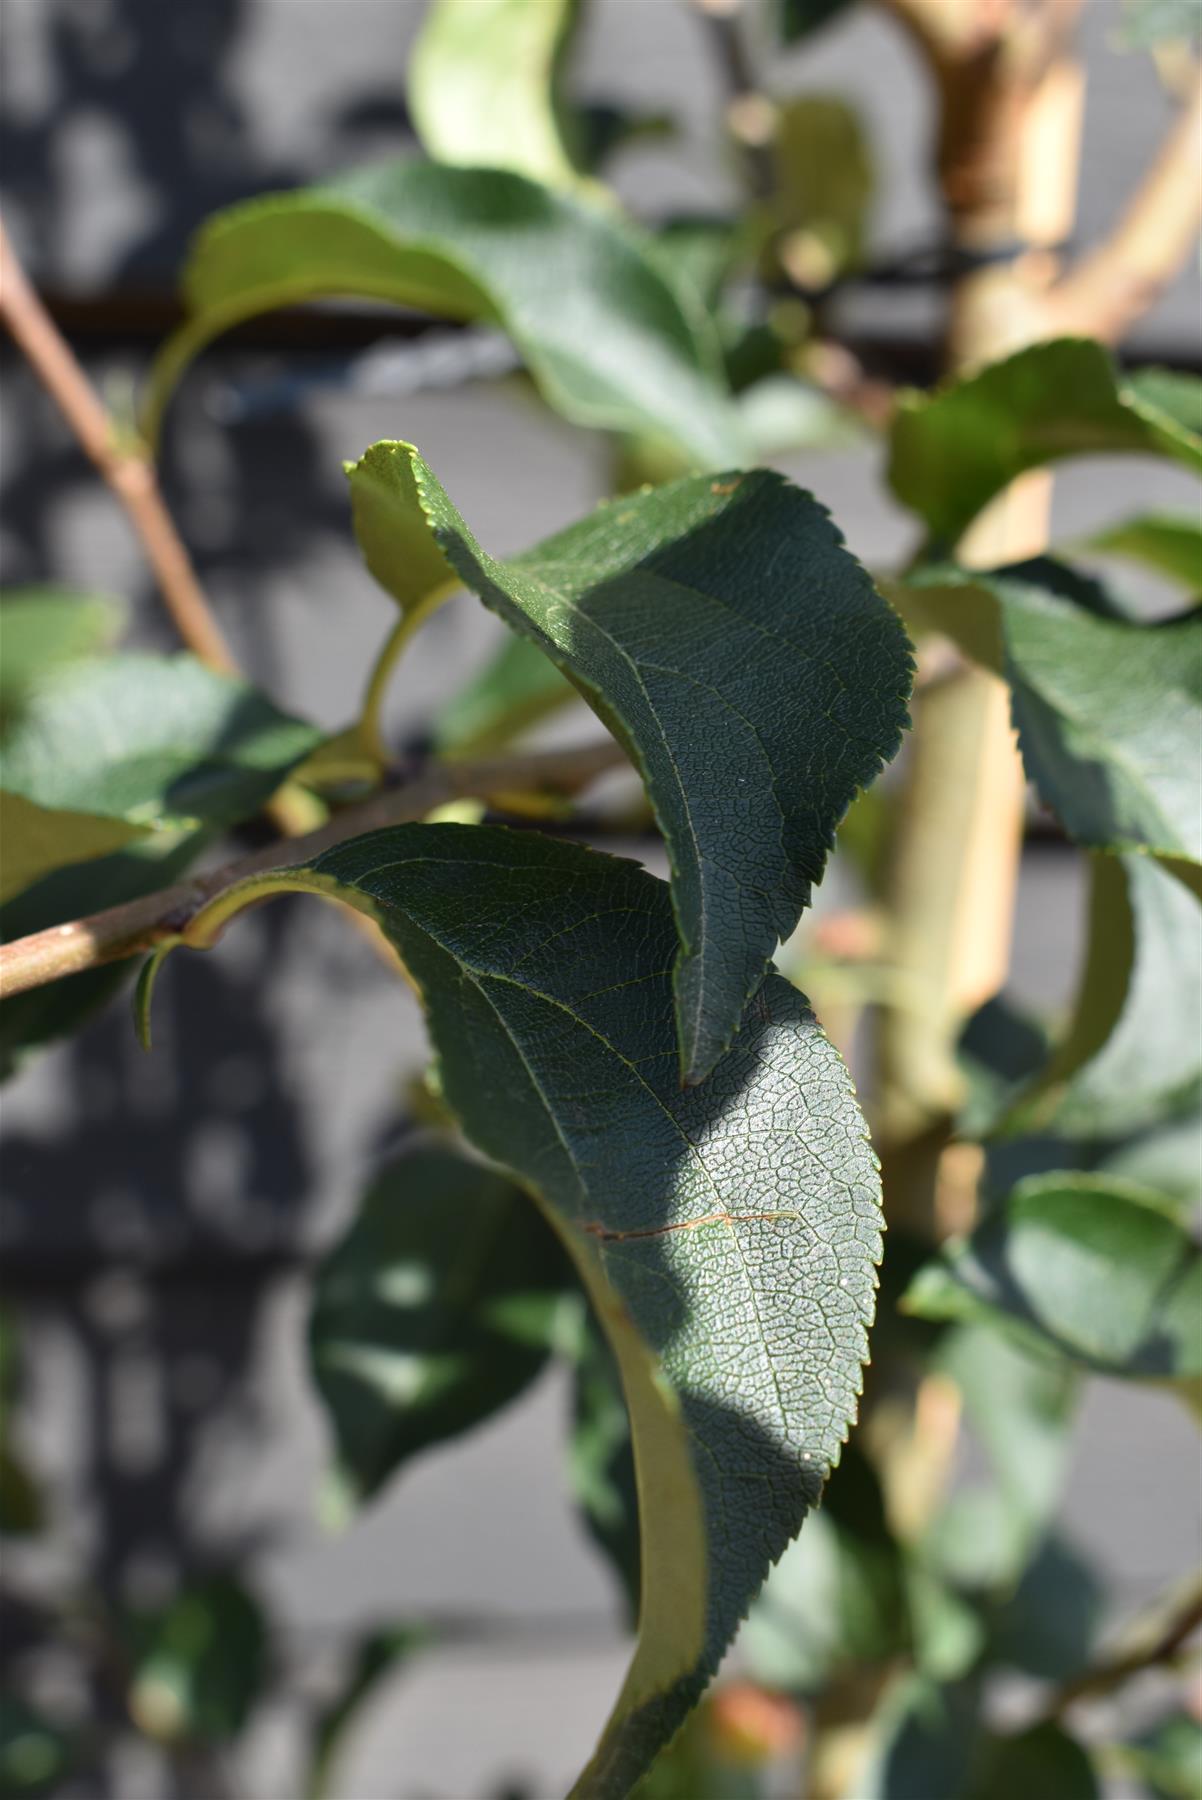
123 931
128 473
1153 1643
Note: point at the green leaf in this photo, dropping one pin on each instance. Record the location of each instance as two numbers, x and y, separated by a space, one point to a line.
1019 1409
727 1234
42 630
1167 1159
1148 23
724 634
35 1756
199 1664
1168 543
1167 1757
484 86
436 1308
1099 1271
1049 1625
1132 1053
22 1510
515 690
798 18
1108 712
1043 1763
35 840
610 341
817 213
377 1655
953 450
160 742
601 1469
923 1740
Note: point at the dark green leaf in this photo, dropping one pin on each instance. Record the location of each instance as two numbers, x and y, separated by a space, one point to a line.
1108 712
953 450
725 635
609 340
199 1664
1049 1625
727 1234
21 1506
1168 543
376 1656
1099 1271
484 86
435 1309
924 1737
798 18
1043 1763
1132 1054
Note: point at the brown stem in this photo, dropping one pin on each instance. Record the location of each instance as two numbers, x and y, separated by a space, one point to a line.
122 931
1152 1643
128 473
750 114
1115 284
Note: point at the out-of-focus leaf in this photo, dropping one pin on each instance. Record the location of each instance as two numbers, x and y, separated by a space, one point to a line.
1147 23
1020 1409
484 86
1167 1159
924 1737
35 1756
155 741
1168 543
21 1505
375 1657
601 1460
726 637
36 840
1044 1763
1131 1056
823 180
698 1765
1000 1050
609 340
435 1309
1099 1271
1108 712
1049 1625
198 1665
1167 1757
953 450
43 629
798 18
726 1234
515 690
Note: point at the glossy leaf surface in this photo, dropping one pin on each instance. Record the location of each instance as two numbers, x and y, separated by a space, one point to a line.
953 450
608 338
42 631
435 1309
734 647
726 1234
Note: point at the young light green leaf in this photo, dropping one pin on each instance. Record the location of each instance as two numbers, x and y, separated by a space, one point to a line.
1091 1268
436 1308
608 338
36 840
727 1234
817 212
42 630
953 450
155 741
484 86
1132 1054
1168 543
1108 712
742 656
